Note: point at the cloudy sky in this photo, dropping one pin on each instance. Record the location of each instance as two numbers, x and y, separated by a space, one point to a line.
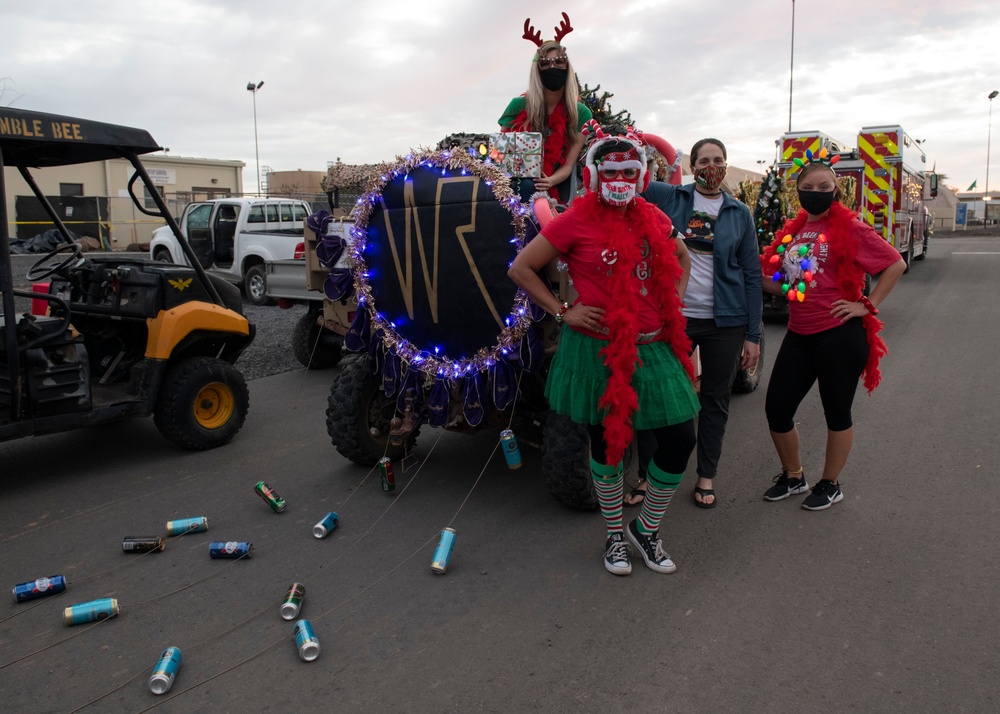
365 81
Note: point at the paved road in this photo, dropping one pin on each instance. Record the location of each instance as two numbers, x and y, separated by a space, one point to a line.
887 602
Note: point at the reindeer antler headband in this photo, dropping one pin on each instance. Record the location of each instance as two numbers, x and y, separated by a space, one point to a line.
562 29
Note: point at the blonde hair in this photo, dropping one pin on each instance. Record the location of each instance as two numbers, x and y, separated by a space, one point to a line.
535 98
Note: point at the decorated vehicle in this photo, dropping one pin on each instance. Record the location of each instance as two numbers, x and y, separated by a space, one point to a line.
121 335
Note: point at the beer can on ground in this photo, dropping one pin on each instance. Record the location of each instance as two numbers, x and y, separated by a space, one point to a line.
270 496
326 526
443 552
187 525
165 670
292 603
305 641
143 544
91 611
388 477
510 450
231 549
42 587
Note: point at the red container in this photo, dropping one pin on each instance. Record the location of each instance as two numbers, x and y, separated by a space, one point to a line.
39 307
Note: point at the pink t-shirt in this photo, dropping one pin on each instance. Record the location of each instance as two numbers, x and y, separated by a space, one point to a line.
812 315
582 243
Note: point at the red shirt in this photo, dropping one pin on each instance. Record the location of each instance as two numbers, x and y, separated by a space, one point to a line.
812 315
582 243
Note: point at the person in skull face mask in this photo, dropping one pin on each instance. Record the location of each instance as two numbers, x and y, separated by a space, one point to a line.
818 260
551 107
722 303
622 361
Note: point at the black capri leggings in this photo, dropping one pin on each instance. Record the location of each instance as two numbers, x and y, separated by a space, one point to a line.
835 357
674 445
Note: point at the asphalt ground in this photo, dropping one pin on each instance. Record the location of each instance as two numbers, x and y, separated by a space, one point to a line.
885 602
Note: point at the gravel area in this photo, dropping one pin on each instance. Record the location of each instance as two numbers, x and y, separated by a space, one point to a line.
269 353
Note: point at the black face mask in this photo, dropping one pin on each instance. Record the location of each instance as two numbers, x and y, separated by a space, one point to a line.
554 79
816 202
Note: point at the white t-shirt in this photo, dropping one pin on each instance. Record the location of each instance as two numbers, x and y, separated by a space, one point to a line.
699 237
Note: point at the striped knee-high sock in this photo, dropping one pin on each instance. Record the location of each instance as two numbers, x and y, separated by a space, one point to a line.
660 487
610 488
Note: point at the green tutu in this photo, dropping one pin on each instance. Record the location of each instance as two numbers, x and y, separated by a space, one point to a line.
577 378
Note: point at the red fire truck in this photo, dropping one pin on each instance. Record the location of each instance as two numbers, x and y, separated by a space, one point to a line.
888 169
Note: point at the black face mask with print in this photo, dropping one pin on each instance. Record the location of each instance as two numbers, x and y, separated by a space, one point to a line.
816 202
554 79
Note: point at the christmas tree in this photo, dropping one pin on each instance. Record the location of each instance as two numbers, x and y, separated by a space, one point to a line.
598 103
769 207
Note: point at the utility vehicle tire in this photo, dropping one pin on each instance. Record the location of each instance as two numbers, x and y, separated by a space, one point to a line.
748 380
314 347
255 286
202 404
358 414
566 462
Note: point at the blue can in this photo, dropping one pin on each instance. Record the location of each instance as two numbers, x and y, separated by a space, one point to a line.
305 641
325 526
510 450
443 552
165 670
92 611
43 587
231 549
187 525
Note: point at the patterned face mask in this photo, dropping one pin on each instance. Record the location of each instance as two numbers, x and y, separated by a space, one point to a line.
710 177
617 192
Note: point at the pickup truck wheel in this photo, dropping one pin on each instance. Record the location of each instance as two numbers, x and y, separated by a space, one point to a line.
202 403
748 380
358 414
566 462
313 346
163 256
255 286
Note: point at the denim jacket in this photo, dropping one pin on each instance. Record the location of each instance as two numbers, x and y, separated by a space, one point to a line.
737 282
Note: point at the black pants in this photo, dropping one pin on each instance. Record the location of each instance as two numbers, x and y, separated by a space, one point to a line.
835 358
672 446
719 350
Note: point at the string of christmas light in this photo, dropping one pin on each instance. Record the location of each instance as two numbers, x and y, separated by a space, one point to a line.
430 361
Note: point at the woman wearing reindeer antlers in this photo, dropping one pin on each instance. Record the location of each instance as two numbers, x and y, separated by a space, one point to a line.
551 107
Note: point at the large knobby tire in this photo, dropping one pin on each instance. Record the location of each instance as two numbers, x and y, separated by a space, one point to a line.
358 414
566 462
202 404
748 380
313 346
255 285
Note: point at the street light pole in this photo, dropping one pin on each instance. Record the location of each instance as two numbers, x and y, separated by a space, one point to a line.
253 89
791 70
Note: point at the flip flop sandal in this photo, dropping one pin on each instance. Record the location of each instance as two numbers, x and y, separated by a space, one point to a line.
633 494
704 492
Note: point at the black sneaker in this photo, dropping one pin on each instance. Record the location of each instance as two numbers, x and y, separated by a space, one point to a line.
651 548
616 555
784 487
824 494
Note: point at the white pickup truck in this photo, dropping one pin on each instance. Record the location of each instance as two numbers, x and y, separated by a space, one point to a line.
234 237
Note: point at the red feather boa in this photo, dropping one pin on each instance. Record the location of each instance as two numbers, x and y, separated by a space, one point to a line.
625 234
556 146
843 249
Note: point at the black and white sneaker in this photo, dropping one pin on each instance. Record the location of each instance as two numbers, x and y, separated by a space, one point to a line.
651 548
824 494
616 555
784 486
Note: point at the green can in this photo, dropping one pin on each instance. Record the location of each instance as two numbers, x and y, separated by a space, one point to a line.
270 496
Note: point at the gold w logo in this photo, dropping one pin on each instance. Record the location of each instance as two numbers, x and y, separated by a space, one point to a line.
181 283
430 272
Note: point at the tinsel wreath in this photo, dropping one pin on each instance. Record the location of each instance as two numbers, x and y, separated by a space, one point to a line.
554 151
625 235
844 250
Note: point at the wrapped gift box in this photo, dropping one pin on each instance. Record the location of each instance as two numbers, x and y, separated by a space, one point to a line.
519 153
